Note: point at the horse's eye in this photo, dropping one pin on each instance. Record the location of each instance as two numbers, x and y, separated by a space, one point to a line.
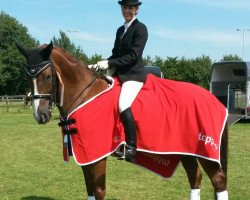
47 78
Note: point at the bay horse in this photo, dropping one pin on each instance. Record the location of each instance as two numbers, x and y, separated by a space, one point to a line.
55 76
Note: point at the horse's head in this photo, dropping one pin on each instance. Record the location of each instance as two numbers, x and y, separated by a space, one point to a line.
41 77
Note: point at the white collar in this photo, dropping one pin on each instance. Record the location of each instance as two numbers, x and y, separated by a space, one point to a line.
126 25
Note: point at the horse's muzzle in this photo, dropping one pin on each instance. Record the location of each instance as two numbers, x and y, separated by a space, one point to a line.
43 117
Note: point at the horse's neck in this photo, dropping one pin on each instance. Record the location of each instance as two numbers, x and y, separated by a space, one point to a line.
86 92
76 78
71 71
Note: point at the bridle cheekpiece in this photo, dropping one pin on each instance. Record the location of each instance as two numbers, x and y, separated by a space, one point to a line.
34 70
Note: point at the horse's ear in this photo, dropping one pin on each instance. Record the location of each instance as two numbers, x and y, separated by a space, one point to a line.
22 50
50 46
47 51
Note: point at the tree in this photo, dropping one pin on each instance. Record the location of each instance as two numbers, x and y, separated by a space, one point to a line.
197 71
12 73
95 58
64 42
231 57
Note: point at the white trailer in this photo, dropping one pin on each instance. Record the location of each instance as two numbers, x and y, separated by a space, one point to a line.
230 83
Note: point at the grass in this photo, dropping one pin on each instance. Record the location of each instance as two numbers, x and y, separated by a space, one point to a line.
32 168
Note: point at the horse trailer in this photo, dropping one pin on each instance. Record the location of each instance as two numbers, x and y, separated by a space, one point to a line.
230 83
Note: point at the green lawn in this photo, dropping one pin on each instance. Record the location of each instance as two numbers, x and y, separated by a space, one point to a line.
32 167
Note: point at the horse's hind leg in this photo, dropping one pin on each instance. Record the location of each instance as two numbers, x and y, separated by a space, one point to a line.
217 174
194 175
217 177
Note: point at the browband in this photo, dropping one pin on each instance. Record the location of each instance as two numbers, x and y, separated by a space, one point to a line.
34 70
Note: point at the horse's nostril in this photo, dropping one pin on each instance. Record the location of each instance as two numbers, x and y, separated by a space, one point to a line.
44 118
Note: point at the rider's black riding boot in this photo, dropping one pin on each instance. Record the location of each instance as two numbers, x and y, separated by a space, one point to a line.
130 133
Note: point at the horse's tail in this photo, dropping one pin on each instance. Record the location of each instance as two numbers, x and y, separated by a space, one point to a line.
224 149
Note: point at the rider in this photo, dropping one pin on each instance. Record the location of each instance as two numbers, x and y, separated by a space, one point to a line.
127 61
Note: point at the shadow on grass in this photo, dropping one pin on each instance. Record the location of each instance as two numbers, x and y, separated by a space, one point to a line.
112 199
36 198
43 198
244 121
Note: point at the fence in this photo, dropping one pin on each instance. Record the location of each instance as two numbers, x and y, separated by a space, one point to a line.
14 98
7 102
20 104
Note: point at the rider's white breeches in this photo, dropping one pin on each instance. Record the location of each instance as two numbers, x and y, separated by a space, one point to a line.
129 91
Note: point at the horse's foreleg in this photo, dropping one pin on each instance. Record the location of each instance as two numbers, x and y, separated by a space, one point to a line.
100 179
95 180
88 173
194 175
217 177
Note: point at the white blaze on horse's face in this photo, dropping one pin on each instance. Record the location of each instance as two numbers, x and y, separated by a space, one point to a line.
36 102
42 88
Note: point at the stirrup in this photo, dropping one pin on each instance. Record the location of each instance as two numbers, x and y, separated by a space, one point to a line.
120 153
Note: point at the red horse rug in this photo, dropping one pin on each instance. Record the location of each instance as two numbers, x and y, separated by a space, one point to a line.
173 118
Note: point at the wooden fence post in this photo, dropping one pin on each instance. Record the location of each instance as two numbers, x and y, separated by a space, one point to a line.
7 104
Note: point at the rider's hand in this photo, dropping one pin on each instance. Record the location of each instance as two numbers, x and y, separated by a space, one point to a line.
102 64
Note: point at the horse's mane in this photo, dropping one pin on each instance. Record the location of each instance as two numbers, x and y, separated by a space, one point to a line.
75 61
70 57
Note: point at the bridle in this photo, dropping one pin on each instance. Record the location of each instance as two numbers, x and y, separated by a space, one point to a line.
34 70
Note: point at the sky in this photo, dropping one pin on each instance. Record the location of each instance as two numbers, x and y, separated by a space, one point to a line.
177 28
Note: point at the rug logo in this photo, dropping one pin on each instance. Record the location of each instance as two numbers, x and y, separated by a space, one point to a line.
208 140
157 159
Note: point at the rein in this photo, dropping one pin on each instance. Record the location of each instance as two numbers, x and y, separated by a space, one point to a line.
78 94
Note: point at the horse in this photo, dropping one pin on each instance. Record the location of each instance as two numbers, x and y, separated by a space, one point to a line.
56 76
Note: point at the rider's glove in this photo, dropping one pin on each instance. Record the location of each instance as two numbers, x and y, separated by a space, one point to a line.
102 65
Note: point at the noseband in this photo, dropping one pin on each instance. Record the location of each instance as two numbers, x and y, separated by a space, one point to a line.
34 70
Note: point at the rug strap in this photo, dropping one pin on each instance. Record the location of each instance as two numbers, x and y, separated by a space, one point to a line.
66 122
